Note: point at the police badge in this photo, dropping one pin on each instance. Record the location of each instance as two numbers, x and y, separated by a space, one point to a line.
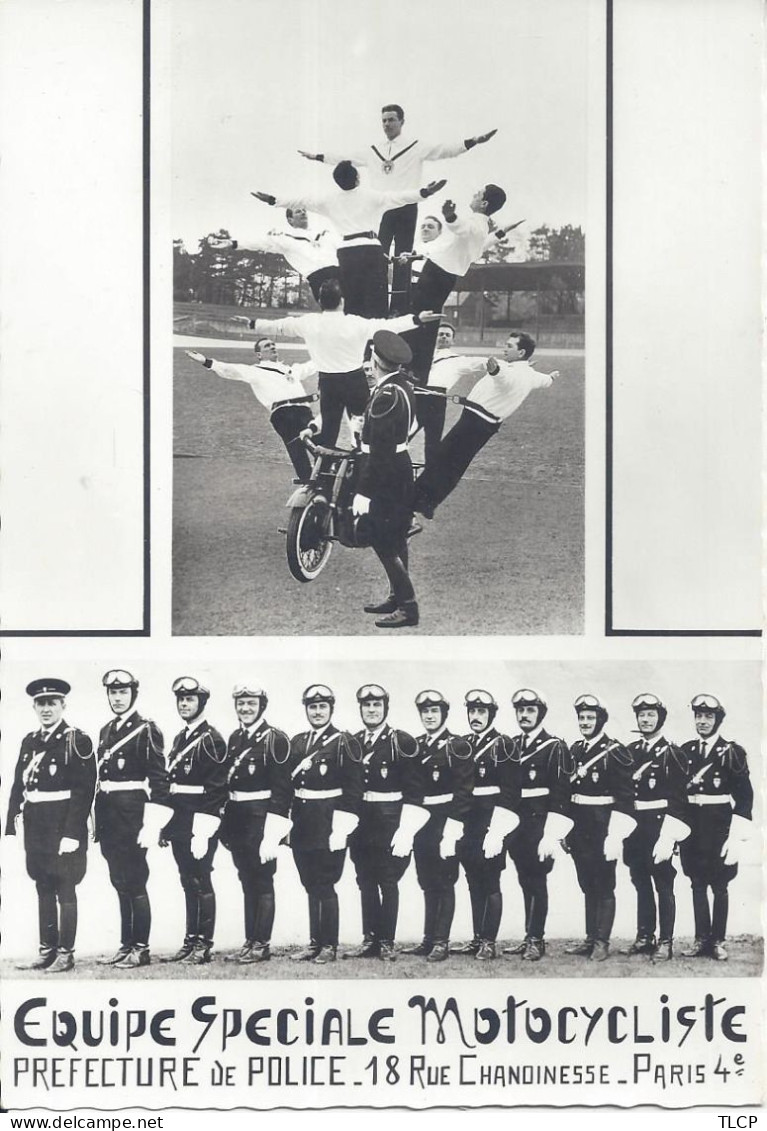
323 768
52 769
384 772
121 763
251 768
435 775
387 166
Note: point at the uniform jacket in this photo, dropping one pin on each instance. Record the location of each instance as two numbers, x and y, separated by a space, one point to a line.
723 772
388 765
444 768
601 770
385 473
331 764
258 762
63 762
536 779
659 774
198 758
133 752
487 750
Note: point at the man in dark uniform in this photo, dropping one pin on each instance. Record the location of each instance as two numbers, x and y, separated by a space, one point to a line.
601 799
442 787
326 774
387 770
720 800
197 771
483 873
256 815
535 780
385 482
131 808
52 791
659 777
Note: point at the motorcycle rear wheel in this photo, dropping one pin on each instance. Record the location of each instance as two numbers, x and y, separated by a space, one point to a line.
308 544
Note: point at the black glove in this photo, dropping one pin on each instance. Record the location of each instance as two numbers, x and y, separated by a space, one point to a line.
480 140
449 212
432 187
265 196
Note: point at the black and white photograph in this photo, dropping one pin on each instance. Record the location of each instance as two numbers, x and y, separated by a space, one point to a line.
381 511
427 173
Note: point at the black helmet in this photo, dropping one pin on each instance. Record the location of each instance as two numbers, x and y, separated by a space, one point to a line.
649 702
318 693
526 697
432 698
118 679
188 685
708 703
479 698
591 703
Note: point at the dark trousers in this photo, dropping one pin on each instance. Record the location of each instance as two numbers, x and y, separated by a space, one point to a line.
468 436
364 280
56 876
650 878
339 391
701 855
319 870
398 225
323 275
197 883
378 873
242 831
429 293
430 409
522 846
288 421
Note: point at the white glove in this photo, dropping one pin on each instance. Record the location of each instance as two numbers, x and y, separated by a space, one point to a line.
360 505
196 356
219 243
671 832
412 819
733 848
68 844
554 832
451 834
275 828
343 826
203 828
502 822
156 818
620 826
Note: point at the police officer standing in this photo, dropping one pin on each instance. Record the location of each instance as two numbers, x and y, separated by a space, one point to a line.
659 779
388 768
53 790
385 483
197 772
601 799
483 874
326 774
131 808
536 779
720 799
256 814
443 788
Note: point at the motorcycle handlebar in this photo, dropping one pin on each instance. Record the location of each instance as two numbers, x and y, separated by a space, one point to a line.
320 450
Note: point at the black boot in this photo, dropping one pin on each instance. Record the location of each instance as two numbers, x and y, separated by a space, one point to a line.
183 952
582 949
122 953
642 944
389 605
469 948
46 958
369 948
701 948
309 954
63 962
259 952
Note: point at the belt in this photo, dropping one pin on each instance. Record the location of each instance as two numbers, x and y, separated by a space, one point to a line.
175 788
541 791
438 799
477 409
317 794
486 790
661 803
254 795
123 786
49 795
587 799
362 236
295 400
710 799
365 448
372 795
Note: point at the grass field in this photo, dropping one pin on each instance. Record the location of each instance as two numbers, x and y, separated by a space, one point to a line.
745 961
503 555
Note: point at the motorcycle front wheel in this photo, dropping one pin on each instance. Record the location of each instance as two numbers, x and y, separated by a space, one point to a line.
308 543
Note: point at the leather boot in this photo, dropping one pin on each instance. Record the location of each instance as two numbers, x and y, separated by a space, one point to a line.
701 948
601 951
369 948
386 951
486 952
664 952
389 605
62 963
470 948
439 951
420 950
259 952
46 958
535 950
404 615
326 954
201 954
122 953
309 954
138 956
518 950
183 952
718 952
642 944
582 949
241 954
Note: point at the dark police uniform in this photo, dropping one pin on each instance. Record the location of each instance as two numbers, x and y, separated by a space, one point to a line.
600 784
659 781
386 471
388 767
326 775
483 875
53 789
131 769
197 772
718 789
258 781
534 782
442 785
